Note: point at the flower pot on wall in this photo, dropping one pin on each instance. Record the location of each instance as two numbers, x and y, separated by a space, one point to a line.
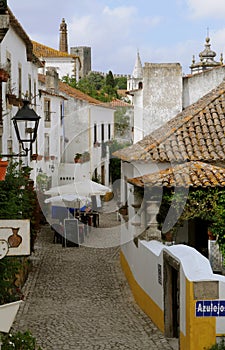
77 158
3 169
7 315
4 75
34 156
97 144
12 100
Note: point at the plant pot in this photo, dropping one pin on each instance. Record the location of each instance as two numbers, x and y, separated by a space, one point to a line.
123 210
3 169
7 315
34 156
12 100
4 75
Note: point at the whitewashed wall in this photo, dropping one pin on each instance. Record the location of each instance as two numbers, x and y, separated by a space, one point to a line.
14 47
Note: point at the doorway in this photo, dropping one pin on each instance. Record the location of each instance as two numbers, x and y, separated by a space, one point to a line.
171 284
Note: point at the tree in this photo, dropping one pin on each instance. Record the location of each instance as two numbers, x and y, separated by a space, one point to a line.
115 163
207 204
122 121
18 201
69 80
121 83
109 81
95 85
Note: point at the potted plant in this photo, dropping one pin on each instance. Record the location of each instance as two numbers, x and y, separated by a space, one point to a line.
97 144
85 156
4 75
123 210
11 96
34 156
3 168
77 158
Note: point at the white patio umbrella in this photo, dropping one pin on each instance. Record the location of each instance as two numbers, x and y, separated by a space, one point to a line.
81 188
67 198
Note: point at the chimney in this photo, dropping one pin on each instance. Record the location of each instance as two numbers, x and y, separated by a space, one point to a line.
52 79
63 46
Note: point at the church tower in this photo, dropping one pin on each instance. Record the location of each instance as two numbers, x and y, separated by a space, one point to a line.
136 80
63 45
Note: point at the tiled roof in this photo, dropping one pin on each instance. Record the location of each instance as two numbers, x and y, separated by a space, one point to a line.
43 51
195 174
70 91
78 94
122 92
119 103
197 133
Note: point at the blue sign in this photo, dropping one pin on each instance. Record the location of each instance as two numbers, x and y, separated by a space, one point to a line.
210 308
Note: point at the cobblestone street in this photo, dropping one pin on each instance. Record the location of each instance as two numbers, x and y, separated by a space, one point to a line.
78 299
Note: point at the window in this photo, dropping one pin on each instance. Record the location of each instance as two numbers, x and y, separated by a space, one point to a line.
109 131
103 132
29 87
46 146
47 113
19 82
95 133
9 68
35 94
61 112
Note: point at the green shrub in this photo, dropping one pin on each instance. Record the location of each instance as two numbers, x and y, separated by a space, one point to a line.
220 346
19 341
9 267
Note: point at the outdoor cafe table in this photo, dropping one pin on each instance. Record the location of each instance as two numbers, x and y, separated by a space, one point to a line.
90 218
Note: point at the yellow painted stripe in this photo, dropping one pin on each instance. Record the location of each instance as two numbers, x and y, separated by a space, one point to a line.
142 298
200 331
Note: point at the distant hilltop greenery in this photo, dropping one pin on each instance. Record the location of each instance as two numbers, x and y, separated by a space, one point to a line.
101 87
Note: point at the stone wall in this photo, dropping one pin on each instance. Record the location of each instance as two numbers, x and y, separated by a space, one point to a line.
162 94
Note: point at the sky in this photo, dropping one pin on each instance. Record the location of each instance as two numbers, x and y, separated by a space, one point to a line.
162 31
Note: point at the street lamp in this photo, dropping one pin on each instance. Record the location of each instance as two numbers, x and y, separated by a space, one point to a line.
25 123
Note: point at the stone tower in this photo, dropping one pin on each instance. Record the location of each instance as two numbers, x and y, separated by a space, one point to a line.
63 44
84 53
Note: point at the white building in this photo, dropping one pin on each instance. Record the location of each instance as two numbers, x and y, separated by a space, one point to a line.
64 63
71 122
17 56
159 91
89 125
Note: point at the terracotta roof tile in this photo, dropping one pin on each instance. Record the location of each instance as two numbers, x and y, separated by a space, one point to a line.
119 103
197 133
70 91
184 175
43 51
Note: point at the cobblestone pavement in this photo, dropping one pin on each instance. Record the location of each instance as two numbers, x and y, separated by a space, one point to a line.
79 299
